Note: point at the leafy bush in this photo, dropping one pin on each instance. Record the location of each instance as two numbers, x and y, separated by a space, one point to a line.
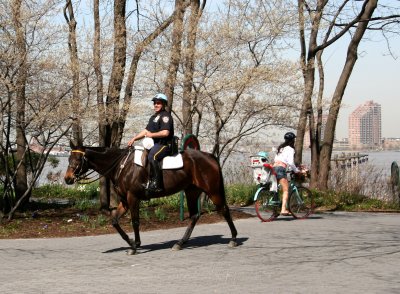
240 194
160 213
333 200
84 204
88 191
169 202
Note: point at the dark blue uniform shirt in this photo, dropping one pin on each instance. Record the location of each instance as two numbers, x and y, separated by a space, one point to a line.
161 121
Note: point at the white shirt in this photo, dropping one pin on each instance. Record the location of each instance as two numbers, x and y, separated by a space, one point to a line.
286 155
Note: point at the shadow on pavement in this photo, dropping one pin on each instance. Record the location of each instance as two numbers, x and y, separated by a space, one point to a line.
195 242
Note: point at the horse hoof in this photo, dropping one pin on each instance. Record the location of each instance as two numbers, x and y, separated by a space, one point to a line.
177 247
131 252
232 244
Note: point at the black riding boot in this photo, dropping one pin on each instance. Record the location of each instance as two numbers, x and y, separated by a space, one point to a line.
156 181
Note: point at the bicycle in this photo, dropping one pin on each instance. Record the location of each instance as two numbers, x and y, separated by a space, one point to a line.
268 203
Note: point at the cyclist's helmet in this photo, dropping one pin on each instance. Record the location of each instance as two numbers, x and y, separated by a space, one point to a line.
160 97
263 155
289 136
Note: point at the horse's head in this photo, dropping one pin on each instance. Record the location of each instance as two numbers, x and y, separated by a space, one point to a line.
77 165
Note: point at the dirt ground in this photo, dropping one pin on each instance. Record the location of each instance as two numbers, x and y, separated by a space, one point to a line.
70 222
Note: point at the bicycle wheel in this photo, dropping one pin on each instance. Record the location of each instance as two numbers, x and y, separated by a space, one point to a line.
301 202
266 210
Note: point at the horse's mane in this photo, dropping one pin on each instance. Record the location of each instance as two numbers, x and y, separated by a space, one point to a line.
107 150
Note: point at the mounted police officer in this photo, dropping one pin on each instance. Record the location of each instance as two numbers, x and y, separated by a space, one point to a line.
161 129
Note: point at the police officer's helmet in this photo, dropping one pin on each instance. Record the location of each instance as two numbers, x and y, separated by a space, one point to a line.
160 97
289 136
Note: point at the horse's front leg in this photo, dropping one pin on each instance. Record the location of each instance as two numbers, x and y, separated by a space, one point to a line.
116 215
134 205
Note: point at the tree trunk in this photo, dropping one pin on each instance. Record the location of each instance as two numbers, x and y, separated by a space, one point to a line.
351 59
187 111
77 137
117 75
308 67
175 52
315 132
104 183
21 184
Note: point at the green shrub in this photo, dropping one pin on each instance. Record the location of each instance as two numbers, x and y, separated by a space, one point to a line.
170 202
350 202
160 213
85 204
101 220
240 194
87 191
144 213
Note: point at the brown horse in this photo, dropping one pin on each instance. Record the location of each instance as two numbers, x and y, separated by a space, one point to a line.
201 172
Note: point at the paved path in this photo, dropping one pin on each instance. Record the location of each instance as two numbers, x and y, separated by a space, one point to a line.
328 253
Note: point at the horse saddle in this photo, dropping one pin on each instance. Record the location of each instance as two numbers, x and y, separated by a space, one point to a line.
169 162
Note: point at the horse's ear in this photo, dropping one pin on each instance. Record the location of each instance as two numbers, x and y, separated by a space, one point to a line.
72 145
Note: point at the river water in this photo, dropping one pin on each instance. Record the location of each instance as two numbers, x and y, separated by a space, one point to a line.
381 160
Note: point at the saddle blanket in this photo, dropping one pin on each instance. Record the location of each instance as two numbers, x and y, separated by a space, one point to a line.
169 162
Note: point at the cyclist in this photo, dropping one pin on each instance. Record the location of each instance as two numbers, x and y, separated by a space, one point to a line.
284 159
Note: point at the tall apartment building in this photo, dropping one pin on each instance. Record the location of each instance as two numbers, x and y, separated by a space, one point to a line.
365 126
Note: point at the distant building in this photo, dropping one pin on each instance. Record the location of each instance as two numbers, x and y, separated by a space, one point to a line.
365 126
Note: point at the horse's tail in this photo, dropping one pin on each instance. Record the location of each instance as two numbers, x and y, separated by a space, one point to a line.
221 179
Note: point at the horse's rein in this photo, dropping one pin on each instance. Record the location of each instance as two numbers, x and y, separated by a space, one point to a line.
121 167
102 173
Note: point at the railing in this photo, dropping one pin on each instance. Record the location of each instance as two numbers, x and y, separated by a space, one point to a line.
349 160
346 170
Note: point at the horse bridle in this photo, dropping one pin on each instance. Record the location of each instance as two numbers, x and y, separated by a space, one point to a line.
78 173
78 176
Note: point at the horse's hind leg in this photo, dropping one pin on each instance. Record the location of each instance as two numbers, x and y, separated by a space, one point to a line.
116 215
192 196
227 215
223 209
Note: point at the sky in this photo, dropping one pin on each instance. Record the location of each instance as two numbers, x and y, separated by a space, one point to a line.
376 76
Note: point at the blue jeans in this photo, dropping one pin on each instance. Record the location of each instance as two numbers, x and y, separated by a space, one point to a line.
280 172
